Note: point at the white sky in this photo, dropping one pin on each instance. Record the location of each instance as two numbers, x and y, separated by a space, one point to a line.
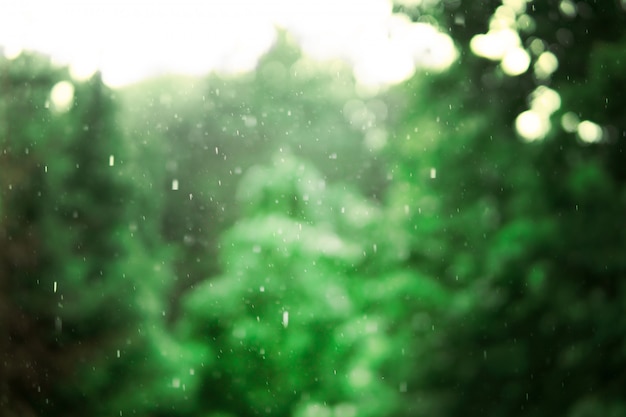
132 39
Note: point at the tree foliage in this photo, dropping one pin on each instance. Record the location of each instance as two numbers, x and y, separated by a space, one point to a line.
80 291
280 243
201 135
527 236
294 322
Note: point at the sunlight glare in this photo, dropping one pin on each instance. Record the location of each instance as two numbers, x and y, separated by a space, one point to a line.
518 6
545 65
62 96
503 18
532 126
495 44
589 132
502 42
545 100
137 39
81 71
515 62
11 52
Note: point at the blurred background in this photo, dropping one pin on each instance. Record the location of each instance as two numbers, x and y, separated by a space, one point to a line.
313 209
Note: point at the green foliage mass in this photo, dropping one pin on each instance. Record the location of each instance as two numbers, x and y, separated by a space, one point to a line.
278 243
206 133
293 320
82 296
527 236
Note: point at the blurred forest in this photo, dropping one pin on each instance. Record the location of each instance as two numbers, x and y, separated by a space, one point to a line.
279 243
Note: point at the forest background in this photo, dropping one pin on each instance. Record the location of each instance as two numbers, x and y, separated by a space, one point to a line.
281 243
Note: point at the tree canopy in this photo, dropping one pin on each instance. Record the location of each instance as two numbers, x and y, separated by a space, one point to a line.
283 243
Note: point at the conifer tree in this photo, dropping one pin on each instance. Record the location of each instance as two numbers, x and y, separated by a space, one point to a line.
82 294
526 236
300 323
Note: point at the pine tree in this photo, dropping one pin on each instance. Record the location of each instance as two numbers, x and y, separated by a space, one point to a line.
82 292
526 236
299 323
200 135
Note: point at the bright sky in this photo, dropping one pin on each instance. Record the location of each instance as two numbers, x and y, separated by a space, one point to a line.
132 39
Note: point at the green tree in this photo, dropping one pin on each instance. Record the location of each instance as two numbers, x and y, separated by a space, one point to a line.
24 81
299 322
203 134
82 294
526 236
